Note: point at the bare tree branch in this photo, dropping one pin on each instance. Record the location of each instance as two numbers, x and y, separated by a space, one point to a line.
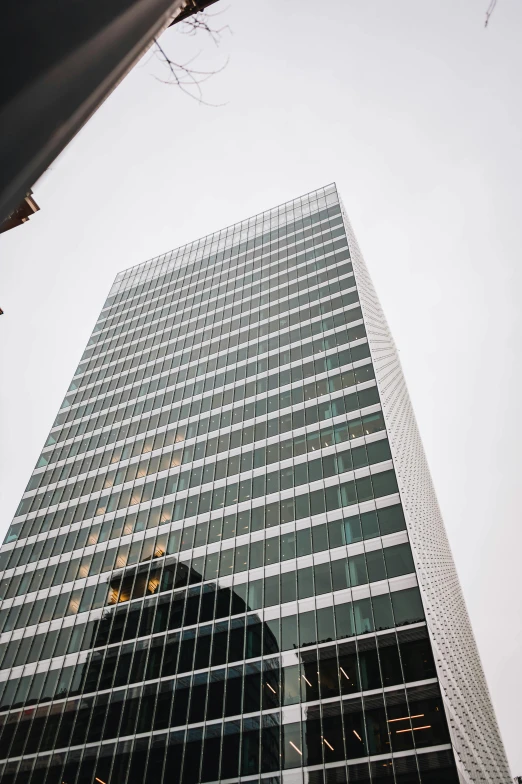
490 10
183 74
201 21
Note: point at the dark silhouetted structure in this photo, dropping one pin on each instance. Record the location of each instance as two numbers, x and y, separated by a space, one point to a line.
59 62
21 214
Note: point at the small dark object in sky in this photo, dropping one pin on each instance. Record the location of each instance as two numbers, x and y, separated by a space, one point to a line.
490 10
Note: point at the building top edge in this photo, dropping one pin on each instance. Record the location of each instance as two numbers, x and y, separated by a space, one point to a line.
209 243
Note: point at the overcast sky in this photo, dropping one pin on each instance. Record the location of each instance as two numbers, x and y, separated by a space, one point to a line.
415 111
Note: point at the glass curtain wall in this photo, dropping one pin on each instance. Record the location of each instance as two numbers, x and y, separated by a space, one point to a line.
209 575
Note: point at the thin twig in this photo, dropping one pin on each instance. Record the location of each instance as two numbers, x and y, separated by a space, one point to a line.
184 76
198 22
490 11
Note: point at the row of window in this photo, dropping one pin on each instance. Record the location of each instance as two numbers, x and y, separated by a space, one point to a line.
241 391
239 373
85 510
356 528
260 407
260 431
199 331
244 335
221 641
359 456
250 487
328 672
210 645
240 748
220 324
279 276
212 322
183 343
329 499
324 324
359 425
285 355
355 571
181 277
233 276
302 473
279 303
267 383
239 691
184 275
301 583
134 378
257 257
262 294
367 525
206 447
240 413
381 662
348 493
297 507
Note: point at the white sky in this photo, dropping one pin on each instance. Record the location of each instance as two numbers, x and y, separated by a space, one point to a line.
414 110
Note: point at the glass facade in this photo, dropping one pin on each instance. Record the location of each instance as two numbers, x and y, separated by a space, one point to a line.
210 575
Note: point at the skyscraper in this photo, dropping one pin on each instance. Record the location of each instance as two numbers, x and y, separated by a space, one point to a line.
229 562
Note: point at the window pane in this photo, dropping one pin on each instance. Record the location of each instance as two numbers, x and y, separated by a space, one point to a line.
307 633
325 624
323 580
407 606
344 620
382 612
305 581
391 519
363 616
375 564
399 560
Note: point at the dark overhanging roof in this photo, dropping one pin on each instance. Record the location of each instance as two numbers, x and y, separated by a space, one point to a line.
194 7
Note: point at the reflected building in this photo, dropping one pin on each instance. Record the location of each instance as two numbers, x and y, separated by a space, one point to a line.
229 562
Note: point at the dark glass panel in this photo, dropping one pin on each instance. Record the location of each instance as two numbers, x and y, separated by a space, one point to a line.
270 746
211 755
230 751
250 748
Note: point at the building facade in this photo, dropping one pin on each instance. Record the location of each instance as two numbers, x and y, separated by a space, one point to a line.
229 563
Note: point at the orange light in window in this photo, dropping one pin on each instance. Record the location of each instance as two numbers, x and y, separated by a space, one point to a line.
426 727
405 718
152 585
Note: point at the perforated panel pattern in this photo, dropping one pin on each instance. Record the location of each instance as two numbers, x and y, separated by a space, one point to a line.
479 751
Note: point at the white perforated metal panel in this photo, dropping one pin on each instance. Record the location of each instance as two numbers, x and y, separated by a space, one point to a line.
478 747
